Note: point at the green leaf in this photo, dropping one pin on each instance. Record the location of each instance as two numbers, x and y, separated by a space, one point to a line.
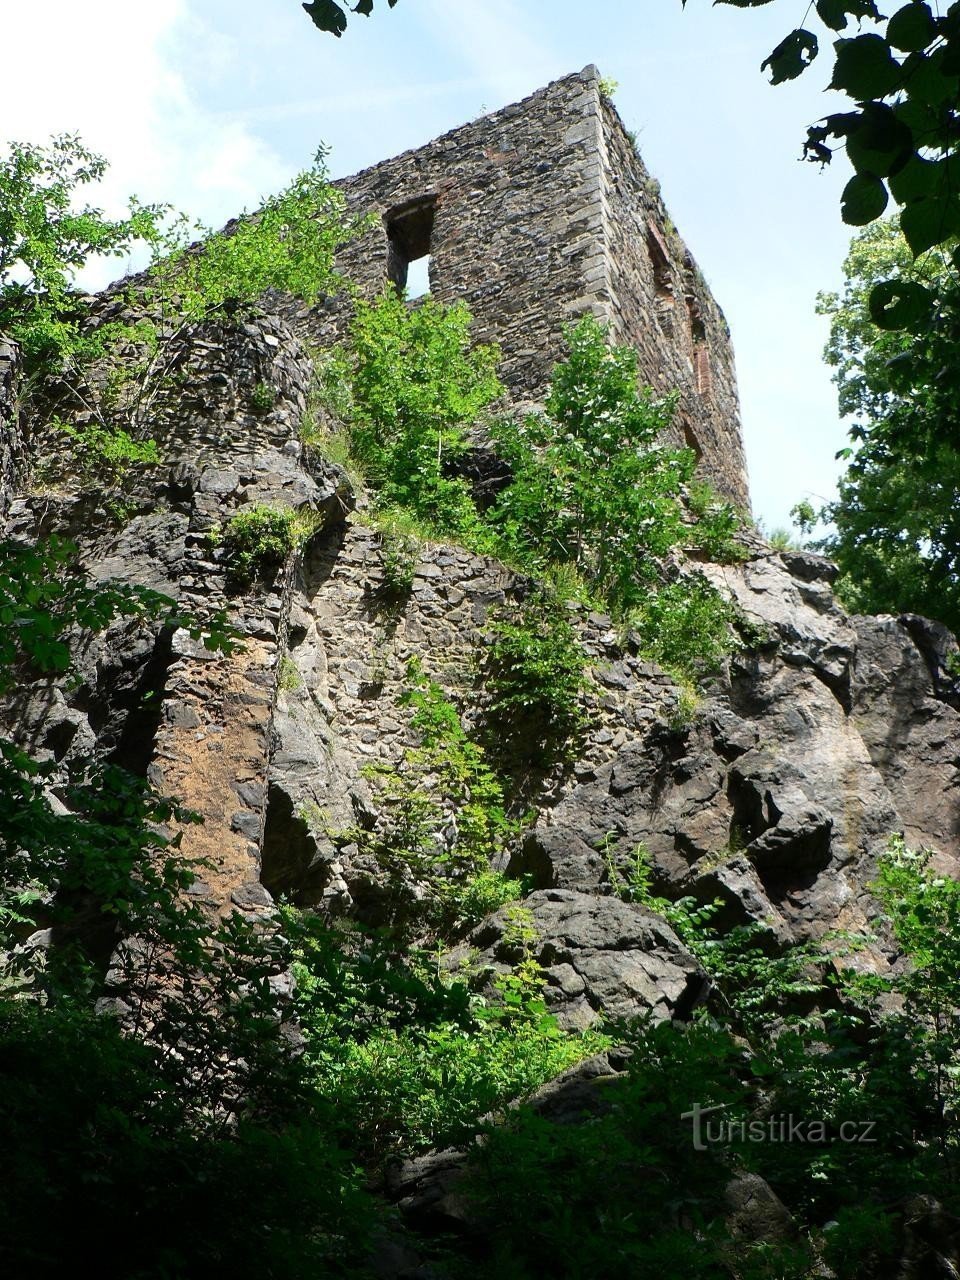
929 221
879 143
911 28
833 13
864 199
792 56
918 178
900 304
901 370
928 80
865 68
836 13
327 16
364 6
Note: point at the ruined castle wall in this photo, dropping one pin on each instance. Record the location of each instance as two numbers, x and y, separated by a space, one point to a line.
535 215
662 306
516 219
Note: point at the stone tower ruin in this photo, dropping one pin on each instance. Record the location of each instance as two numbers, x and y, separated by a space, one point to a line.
535 215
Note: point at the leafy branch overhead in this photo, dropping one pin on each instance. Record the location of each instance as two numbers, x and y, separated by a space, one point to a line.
332 17
903 135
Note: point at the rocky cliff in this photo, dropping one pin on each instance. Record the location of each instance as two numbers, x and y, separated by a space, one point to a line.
775 794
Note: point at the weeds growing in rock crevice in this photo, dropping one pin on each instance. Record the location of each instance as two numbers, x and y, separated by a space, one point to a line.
257 541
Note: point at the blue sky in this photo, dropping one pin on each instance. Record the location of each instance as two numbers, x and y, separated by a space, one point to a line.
212 103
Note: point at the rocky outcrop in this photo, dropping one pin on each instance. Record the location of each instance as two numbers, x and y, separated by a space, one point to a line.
197 723
774 796
599 956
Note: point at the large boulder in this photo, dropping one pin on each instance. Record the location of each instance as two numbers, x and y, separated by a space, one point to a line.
601 958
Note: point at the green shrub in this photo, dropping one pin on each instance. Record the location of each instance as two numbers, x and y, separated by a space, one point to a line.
783 540
687 626
416 384
860 1240
104 1174
400 548
408 1057
125 1137
258 540
119 371
484 893
263 397
592 504
442 826
591 486
717 524
102 455
604 1197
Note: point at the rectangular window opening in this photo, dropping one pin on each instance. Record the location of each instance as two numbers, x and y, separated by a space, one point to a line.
409 235
702 371
418 278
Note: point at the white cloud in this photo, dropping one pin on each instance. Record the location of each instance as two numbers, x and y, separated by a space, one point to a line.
105 70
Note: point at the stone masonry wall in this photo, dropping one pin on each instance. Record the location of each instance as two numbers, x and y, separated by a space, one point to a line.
197 723
538 214
11 435
662 306
516 226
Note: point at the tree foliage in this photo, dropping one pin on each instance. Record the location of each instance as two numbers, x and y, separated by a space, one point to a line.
593 485
46 237
416 384
895 526
902 75
110 374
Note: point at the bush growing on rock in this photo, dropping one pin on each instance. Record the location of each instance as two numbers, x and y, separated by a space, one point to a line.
258 539
113 373
417 384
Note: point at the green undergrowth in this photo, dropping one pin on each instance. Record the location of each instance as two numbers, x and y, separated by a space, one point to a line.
409 1057
409 1051
443 825
533 674
836 1086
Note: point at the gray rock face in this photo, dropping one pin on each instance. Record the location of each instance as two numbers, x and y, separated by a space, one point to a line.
775 797
600 957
